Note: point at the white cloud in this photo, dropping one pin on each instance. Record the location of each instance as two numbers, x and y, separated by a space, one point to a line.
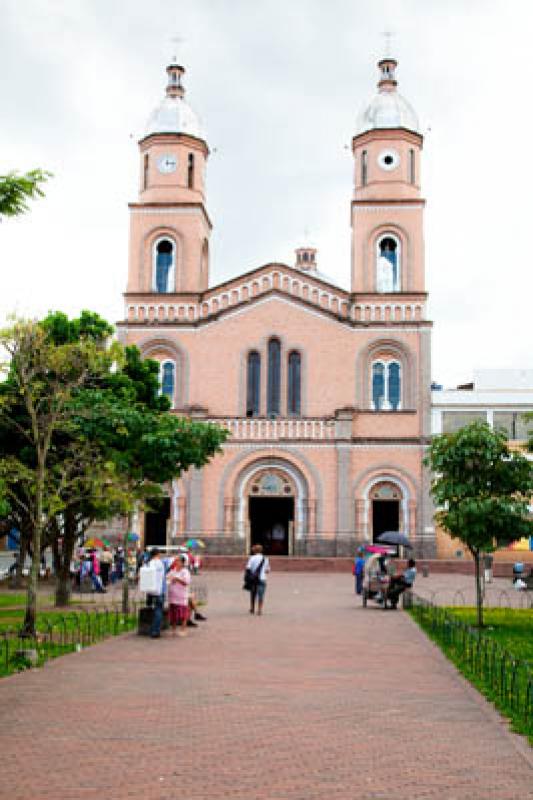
278 86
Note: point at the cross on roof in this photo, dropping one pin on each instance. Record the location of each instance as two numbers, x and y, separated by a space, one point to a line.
176 42
388 38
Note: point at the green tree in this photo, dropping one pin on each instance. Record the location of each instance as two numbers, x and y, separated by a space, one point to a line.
147 445
110 448
16 190
482 491
75 474
42 378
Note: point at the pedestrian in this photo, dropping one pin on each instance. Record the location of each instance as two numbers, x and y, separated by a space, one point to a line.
95 572
257 568
106 561
156 599
178 580
358 570
119 563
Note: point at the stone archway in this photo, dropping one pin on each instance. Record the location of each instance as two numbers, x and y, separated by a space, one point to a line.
385 508
272 508
375 512
271 496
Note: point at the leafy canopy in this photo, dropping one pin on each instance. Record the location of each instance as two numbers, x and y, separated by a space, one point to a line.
482 488
16 190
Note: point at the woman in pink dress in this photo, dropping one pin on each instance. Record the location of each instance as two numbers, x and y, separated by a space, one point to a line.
178 579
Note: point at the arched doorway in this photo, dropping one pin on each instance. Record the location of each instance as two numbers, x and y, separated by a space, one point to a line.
156 523
386 500
271 494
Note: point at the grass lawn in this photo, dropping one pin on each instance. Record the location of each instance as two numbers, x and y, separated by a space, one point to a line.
13 599
511 628
58 633
499 662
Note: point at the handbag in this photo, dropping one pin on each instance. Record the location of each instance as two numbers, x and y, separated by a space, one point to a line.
251 577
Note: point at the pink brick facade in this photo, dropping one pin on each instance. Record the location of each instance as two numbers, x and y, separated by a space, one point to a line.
311 470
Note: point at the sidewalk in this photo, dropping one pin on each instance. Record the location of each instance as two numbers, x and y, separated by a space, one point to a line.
318 699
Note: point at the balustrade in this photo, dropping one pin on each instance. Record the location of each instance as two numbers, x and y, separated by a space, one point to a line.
245 428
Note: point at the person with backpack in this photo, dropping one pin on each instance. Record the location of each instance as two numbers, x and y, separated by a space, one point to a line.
255 577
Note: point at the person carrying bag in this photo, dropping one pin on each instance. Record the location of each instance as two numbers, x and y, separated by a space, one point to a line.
255 578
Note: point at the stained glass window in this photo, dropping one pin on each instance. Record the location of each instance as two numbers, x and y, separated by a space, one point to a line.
294 384
253 384
274 366
378 385
394 385
163 265
167 380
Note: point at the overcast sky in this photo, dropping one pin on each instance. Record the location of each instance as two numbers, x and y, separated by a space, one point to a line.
278 85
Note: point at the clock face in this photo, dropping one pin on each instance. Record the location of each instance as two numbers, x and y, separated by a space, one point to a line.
388 160
167 163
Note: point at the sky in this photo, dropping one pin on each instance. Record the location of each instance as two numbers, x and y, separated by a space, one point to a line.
279 85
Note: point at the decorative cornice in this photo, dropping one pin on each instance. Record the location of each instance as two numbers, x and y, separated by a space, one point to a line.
382 134
164 138
387 205
180 209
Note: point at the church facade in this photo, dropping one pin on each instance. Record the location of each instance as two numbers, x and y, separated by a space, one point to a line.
325 392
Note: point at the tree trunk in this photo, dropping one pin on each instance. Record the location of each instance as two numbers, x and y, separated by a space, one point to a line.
63 584
479 593
56 556
125 579
28 628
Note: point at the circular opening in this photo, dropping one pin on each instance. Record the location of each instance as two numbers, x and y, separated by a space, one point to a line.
388 160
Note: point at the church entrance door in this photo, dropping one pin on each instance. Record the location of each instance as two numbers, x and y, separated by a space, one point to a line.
385 517
270 519
155 525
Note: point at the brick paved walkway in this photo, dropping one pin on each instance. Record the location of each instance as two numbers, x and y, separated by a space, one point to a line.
317 699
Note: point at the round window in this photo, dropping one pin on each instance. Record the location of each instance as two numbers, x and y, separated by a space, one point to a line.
388 159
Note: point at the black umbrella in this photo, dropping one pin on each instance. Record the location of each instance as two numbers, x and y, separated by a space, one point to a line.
394 537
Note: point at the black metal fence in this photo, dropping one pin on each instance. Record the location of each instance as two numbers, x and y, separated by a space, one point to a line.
506 680
59 633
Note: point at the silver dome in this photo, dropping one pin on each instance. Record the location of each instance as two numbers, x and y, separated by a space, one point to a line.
174 115
388 110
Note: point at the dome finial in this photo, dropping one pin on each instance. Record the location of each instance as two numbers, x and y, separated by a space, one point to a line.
387 67
175 71
387 35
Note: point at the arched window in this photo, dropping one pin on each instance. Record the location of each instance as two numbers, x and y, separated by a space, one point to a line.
164 266
378 385
274 377
386 386
146 165
168 380
190 171
294 380
204 265
395 388
412 167
364 168
253 384
388 264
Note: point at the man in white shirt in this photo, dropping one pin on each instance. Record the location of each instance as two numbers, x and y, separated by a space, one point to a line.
157 600
259 567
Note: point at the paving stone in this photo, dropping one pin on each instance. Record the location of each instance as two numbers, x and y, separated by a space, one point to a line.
319 698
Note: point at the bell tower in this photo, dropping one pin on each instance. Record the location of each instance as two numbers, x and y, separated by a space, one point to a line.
169 224
387 207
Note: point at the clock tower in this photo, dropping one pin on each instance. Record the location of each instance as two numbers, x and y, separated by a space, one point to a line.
387 208
169 224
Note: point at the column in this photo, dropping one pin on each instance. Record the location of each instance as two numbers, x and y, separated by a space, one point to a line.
195 501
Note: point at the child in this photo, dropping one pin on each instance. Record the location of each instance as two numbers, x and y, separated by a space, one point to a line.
178 580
